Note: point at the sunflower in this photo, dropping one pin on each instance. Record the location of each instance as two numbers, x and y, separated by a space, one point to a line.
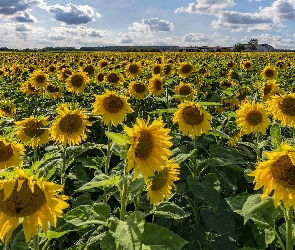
157 69
185 69
156 85
53 91
148 147
38 79
252 117
133 69
10 154
224 84
185 90
231 64
31 201
7 109
69 126
33 131
138 89
277 173
269 73
268 89
281 65
112 106
77 82
28 89
228 103
242 93
103 63
282 108
192 119
159 186
247 65
114 78
64 74
168 69
89 70
100 77
51 69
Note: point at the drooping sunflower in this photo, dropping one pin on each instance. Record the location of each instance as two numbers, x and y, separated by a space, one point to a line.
7 109
33 131
77 82
269 72
133 69
282 108
168 69
224 84
156 85
114 78
268 89
159 187
192 119
247 65
29 200
138 89
70 126
53 91
112 106
252 117
185 90
28 89
38 79
185 69
10 154
64 74
149 147
281 65
277 173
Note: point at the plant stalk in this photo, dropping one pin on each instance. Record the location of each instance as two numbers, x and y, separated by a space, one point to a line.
63 179
36 242
105 189
289 222
124 193
196 213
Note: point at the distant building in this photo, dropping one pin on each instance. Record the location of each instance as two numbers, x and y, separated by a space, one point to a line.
264 47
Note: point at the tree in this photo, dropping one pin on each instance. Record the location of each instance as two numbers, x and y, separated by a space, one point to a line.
252 44
239 47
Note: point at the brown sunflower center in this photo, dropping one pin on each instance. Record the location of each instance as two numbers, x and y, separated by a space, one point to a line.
32 88
287 106
192 115
158 84
242 95
6 109
34 129
113 104
40 79
139 87
283 171
6 152
225 84
269 73
70 123
89 69
157 69
66 73
186 68
51 68
184 90
280 64
145 145
112 78
52 89
167 69
230 64
103 64
159 182
77 80
133 68
267 89
254 117
23 202
100 77
247 65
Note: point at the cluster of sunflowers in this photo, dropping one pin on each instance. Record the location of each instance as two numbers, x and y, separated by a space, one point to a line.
55 98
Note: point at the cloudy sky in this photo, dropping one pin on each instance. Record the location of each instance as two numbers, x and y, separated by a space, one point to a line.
77 23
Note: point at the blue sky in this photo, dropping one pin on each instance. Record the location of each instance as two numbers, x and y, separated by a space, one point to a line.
52 23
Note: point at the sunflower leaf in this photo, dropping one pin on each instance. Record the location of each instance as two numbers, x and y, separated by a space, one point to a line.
118 138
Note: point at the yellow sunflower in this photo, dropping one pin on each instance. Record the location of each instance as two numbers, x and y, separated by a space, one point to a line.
157 69
69 126
33 131
269 73
103 63
277 173
252 117
168 69
112 106
224 84
156 85
64 74
185 69
159 187
28 89
7 109
38 79
281 65
268 89
242 93
231 64
138 89
10 154
133 69
77 82
53 91
89 70
247 65
185 90
192 119
149 147
114 78
100 77
29 200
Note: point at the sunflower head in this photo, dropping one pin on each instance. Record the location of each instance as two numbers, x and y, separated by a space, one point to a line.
269 73
38 79
168 69
7 109
133 69
138 89
281 65
247 65
224 84
53 91
10 153
64 73
185 69
114 78
77 82
156 85
89 70
185 90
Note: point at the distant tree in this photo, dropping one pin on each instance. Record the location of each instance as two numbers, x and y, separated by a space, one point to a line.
218 50
252 44
238 47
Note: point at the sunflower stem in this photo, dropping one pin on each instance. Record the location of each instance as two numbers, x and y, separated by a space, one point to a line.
289 222
35 154
168 107
257 146
196 214
105 190
124 194
36 242
63 166
279 239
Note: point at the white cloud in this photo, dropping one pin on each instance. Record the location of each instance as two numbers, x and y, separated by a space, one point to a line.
10 7
261 27
24 17
196 37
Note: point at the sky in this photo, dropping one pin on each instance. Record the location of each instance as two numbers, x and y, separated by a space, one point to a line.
91 23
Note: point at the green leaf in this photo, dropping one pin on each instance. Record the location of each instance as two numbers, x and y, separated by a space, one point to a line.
78 173
210 103
156 237
53 234
269 236
237 202
275 133
129 233
169 210
182 157
108 242
162 111
100 181
121 139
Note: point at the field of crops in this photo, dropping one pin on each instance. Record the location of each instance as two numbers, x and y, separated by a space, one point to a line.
147 150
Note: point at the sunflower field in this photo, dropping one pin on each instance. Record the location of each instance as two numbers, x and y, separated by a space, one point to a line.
147 151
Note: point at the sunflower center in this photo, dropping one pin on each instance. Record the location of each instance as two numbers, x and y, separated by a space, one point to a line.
100 77
185 90
242 95
192 115
52 68
225 84
167 69
32 88
34 129
40 79
267 89
113 78
254 117
139 88
77 80
157 69
287 106
89 69
283 171
247 65
186 68
133 69
113 104
103 64
158 84
71 123
145 145
23 202
6 152
159 182
269 73
52 89
230 64
6 109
